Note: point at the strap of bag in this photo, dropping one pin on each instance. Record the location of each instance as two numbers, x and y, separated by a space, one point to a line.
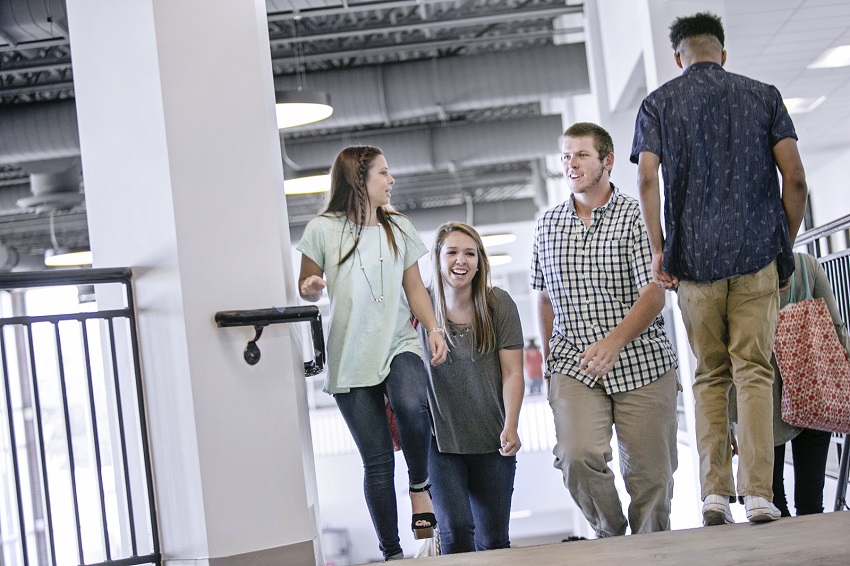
805 274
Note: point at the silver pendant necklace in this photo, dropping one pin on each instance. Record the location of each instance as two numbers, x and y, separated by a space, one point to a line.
380 298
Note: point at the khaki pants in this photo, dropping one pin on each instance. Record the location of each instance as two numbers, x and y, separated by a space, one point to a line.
646 434
731 325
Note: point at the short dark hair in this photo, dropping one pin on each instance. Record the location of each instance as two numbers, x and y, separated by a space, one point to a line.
602 139
703 23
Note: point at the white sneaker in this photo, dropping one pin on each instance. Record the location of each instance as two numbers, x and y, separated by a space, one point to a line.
760 510
715 510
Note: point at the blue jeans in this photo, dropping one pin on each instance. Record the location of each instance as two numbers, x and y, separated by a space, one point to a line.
472 499
365 414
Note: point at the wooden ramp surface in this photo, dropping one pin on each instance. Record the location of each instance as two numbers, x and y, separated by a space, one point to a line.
809 540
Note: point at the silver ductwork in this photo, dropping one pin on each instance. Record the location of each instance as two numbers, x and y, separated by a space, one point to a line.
377 95
55 184
420 89
38 132
442 148
37 20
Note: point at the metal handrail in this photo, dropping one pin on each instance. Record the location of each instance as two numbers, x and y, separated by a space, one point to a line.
260 318
810 236
811 239
69 277
28 279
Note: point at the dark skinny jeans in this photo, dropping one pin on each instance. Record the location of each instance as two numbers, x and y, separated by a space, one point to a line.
809 449
365 414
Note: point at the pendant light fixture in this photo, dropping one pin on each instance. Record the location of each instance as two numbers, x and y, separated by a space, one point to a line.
300 106
308 185
67 257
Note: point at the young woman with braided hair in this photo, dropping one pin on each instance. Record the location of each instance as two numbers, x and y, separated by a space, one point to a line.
368 254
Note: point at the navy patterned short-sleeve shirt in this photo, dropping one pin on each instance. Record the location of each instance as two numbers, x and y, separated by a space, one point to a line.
714 132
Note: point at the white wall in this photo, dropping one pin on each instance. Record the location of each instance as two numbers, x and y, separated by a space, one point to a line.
827 175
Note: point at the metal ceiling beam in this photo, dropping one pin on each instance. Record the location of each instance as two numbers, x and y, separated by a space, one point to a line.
534 13
36 88
347 8
59 65
40 44
421 46
6 39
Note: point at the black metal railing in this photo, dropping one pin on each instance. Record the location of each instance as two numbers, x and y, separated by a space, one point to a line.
77 487
260 318
837 268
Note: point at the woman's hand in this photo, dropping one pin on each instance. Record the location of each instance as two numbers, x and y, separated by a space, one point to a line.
510 442
439 349
310 282
311 288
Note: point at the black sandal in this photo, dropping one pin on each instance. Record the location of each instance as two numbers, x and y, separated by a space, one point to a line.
423 523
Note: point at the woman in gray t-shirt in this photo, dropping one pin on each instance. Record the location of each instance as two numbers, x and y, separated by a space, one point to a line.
474 397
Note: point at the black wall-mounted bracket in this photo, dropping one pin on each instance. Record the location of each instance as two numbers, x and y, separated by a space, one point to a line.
260 318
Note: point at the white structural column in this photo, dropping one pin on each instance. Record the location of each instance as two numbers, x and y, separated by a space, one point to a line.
184 183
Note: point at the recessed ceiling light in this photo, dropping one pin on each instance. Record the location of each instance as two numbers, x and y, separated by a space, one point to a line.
307 185
490 240
802 105
499 259
831 58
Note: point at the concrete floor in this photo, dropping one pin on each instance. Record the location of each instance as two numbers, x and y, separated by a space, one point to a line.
809 540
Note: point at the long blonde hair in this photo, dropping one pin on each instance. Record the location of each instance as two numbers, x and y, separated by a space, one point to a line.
483 330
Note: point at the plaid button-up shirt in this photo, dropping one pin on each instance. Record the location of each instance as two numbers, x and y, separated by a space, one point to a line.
593 276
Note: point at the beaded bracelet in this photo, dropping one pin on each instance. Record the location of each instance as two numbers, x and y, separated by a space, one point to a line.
437 329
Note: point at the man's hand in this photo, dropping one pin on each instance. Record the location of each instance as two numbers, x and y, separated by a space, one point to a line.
598 359
661 277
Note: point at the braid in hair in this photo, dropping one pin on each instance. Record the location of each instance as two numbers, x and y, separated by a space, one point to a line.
349 196
363 163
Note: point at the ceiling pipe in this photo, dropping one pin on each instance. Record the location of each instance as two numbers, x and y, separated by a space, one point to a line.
438 148
12 260
55 184
38 132
42 23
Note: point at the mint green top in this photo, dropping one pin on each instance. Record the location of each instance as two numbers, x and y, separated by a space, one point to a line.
365 335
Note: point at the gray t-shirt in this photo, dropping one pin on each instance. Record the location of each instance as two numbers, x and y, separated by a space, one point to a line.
465 392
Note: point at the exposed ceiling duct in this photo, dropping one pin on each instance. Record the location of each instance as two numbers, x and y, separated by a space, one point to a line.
451 90
406 92
38 132
442 148
55 184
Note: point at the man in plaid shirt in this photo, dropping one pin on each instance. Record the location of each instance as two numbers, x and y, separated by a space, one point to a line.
608 359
